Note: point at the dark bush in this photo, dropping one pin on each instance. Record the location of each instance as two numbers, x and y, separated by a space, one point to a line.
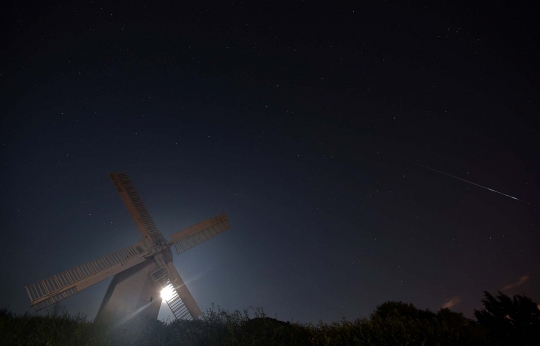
511 321
502 322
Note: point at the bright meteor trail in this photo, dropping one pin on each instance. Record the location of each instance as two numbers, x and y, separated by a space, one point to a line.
470 182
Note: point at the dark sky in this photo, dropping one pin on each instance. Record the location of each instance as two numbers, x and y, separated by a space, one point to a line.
307 124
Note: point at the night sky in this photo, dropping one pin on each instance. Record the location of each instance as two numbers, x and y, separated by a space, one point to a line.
308 124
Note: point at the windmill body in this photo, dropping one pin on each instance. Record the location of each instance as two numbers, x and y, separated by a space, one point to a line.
140 272
131 292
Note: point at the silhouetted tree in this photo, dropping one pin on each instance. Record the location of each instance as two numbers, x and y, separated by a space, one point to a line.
511 321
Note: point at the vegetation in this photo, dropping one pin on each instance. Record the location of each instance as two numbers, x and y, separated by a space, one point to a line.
502 321
511 321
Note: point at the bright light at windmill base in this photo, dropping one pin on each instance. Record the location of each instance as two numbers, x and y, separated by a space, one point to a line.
167 292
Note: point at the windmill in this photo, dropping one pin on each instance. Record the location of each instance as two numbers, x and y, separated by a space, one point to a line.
144 273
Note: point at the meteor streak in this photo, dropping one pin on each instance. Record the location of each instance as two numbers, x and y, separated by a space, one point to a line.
470 182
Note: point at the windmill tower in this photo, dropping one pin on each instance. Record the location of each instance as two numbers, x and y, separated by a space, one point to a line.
144 272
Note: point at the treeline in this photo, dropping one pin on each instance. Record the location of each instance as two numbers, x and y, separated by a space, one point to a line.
502 321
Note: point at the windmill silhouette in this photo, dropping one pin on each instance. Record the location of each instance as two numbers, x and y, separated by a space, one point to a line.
144 273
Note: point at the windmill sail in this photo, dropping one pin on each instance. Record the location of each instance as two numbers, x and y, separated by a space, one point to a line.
183 291
135 206
180 301
196 234
60 286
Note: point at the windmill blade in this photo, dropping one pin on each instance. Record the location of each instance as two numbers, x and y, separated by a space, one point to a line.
196 234
136 207
60 286
183 292
180 300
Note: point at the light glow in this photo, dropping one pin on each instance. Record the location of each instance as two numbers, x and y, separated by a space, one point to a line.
167 292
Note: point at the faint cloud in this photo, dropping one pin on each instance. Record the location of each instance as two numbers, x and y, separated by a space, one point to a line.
520 282
452 302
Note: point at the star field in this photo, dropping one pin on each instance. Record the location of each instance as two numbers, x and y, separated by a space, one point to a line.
307 124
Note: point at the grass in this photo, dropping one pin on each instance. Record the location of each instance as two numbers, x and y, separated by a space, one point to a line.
391 324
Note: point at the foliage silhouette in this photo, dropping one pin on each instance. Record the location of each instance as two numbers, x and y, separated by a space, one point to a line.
511 321
392 323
